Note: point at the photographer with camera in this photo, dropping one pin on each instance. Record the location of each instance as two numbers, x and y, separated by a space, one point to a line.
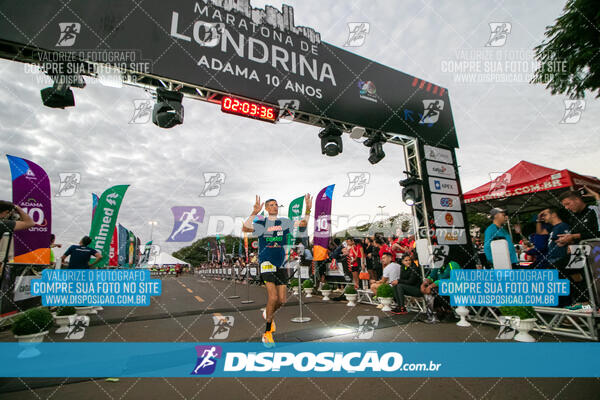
13 218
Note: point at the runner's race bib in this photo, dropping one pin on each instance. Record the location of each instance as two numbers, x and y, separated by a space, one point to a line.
267 267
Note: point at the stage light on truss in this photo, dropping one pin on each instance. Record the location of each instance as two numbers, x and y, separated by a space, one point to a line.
411 191
58 96
357 132
168 110
331 141
375 143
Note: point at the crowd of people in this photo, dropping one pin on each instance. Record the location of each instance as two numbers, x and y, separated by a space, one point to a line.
544 242
372 261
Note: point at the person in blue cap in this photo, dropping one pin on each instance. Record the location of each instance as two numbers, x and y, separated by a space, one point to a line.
496 231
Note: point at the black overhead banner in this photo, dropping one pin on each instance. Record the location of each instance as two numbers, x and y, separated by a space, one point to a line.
228 46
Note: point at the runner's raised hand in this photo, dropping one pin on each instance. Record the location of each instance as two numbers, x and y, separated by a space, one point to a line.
257 206
591 193
308 201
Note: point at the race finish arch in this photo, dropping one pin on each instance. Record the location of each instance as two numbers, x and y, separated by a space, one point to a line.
253 62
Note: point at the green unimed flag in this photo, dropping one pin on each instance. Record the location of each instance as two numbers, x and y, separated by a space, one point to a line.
295 214
105 218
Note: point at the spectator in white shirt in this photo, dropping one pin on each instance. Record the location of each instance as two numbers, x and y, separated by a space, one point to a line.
391 272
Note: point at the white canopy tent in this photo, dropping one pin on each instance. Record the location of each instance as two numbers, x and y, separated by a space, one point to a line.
165 259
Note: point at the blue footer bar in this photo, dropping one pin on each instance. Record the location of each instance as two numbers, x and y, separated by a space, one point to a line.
300 360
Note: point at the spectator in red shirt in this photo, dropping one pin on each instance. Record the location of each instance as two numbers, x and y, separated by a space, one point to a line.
357 260
399 247
383 247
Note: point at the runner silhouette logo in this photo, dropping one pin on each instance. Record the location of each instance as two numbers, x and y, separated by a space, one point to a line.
207 359
212 184
69 183
358 33
287 110
68 33
142 111
366 326
223 324
431 112
573 111
499 32
186 220
357 183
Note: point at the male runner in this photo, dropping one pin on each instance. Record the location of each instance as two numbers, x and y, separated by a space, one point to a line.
272 233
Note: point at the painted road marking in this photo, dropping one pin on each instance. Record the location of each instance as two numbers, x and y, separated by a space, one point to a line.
200 299
189 290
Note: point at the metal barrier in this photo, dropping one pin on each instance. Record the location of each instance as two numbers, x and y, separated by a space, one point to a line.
15 295
561 321
550 320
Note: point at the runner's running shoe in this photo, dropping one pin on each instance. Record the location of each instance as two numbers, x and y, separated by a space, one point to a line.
264 314
267 340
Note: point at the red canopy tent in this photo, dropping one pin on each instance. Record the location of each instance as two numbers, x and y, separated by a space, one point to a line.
526 187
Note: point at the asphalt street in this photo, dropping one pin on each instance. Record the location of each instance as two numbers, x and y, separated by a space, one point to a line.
186 311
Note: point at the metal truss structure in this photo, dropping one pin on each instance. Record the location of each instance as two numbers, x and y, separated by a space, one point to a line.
550 320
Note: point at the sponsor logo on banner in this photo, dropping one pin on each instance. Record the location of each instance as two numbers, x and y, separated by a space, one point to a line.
358 33
32 192
431 111
445 202
438 255
357 183
499 32
451 236
448 219
443 185
367 90
68 33
112 198
439 169
350 362
438 154
23 287
207 359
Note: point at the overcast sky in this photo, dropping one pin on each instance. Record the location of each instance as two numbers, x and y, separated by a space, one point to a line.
498 124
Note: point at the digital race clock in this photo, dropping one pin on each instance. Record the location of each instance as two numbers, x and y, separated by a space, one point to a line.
249 109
